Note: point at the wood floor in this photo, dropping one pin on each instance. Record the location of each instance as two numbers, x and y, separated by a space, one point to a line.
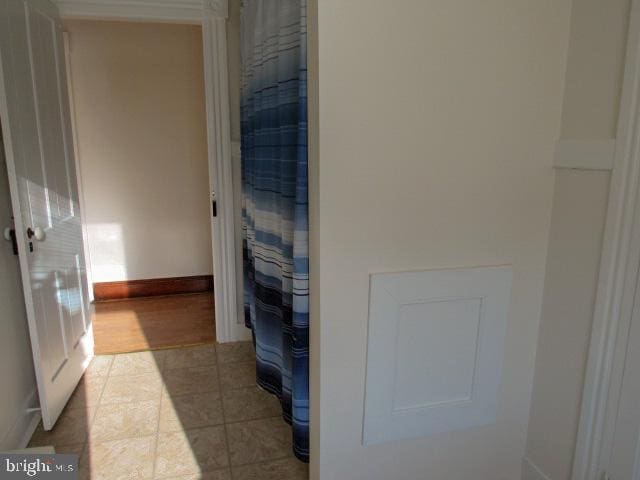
149 323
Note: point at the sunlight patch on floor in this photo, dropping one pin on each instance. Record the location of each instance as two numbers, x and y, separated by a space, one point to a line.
191 413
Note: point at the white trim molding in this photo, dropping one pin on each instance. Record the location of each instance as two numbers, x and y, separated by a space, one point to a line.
228 325
211 14
617 279
236 155
191 11
585 154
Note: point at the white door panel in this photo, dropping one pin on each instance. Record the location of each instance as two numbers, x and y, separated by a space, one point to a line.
36 124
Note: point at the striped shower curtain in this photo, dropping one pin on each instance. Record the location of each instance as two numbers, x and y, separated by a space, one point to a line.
275 202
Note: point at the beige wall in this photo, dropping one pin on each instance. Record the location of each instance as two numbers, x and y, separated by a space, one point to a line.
16 367
141 130
575 242
436 124
595 65
590 111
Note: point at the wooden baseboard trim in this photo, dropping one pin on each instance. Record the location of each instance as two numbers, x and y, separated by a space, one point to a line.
152 287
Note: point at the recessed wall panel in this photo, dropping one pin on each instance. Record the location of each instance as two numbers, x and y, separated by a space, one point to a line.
435 351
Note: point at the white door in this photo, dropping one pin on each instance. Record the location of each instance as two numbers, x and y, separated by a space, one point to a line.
624 451
34 112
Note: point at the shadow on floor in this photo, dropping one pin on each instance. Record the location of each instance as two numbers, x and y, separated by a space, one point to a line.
185 413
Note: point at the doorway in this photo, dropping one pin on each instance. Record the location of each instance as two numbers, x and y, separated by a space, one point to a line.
138 109
160 399
193 411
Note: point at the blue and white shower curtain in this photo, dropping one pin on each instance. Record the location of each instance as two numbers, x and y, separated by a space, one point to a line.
275 202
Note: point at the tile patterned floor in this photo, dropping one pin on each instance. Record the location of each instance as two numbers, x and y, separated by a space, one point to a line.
181 414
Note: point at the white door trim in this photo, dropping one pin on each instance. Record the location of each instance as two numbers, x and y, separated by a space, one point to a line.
229 324
190 11
617 279
211 14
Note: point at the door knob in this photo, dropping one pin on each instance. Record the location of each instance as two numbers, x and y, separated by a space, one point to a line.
37 232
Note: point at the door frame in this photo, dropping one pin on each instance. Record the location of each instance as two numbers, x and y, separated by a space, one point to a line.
617 279
211 15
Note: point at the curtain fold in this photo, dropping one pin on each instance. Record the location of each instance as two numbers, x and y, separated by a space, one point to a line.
275 202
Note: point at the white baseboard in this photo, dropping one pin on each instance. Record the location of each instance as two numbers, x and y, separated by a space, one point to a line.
20 433
530 471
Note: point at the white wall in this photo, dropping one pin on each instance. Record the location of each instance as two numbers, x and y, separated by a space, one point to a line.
590 111
18 390
575 243
436 124
141 128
